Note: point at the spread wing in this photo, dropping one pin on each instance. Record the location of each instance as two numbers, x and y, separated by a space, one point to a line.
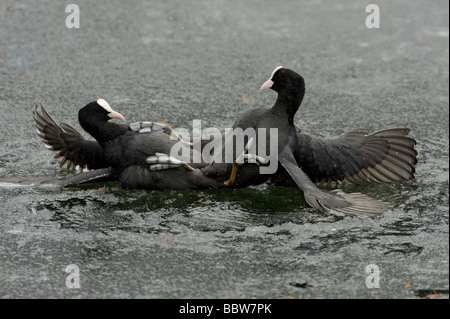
71 148
96 175
349 204
103 174
359 157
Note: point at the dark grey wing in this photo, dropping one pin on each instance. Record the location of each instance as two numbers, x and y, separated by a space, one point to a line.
350 204
97 175
359 157
71 148
140 176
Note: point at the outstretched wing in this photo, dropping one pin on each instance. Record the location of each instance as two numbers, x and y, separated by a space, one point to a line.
71 148
349 204
97 175
359 157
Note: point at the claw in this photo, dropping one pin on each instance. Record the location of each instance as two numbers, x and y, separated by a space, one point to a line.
146 127
250 158
232 179
162 161
241 160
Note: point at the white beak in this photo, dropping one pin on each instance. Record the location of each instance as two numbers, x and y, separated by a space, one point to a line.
267 85
116 115
111 113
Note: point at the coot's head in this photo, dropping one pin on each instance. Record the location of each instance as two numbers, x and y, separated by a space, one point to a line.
282 79
98 111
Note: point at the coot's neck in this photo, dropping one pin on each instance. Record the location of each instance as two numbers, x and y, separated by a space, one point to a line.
102 131
289 101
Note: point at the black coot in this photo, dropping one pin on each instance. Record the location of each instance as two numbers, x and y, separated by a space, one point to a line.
290 87
136 153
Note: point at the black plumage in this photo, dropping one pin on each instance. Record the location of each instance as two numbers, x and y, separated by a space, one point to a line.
70 147
123 149
290 87
355 156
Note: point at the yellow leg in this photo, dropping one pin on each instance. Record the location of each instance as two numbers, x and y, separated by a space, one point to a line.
232 178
